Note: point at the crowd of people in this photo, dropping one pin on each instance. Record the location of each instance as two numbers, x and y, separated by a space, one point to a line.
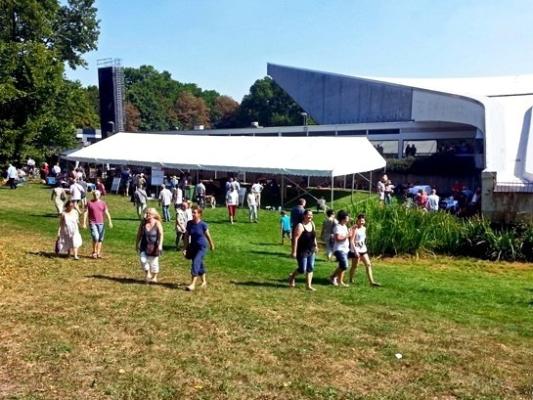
460 200
341 240
78 202
192 233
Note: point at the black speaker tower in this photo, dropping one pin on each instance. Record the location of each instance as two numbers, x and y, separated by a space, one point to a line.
111 89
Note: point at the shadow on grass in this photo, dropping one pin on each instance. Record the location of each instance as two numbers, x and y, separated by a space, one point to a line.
301 278
221 222
51 254
126 219
261 284
48 215
282 283
272 253
133 281
267 244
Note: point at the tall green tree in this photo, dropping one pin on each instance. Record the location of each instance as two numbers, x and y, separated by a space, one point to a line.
165 103
153 94
38 106
268 104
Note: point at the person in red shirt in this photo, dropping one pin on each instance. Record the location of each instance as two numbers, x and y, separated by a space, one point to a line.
96 210
45 171
421 199
457 187
100 187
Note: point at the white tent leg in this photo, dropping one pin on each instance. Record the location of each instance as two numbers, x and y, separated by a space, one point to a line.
353 186
282 190
332 190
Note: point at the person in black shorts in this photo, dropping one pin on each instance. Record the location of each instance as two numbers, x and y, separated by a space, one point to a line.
359 250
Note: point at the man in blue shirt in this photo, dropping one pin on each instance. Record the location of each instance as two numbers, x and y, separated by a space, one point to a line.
297 213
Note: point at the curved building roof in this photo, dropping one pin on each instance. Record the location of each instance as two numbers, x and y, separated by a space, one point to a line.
500 107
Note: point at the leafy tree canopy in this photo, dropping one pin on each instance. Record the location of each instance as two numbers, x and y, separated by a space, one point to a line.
166 104
39 108
268 104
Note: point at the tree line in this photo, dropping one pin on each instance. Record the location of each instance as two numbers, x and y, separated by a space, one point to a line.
155 101
40 108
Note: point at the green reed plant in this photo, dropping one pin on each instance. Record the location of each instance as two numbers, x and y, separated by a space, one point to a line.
396 229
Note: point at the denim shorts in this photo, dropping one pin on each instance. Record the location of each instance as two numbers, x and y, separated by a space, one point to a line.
306 263
97 232
342 258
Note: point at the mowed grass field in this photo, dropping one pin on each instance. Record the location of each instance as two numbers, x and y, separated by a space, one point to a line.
92 329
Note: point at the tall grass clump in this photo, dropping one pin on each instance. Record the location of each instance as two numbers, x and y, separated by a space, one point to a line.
396 230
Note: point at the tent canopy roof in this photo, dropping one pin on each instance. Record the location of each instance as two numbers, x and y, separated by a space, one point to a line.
314 156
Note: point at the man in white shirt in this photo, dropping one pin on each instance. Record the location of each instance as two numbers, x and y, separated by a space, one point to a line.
200 194
76 191
30 164
165 198
177 197
12 176
56 170
257 188
181 222
252 207
433 201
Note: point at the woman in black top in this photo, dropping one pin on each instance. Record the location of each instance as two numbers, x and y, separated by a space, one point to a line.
304 250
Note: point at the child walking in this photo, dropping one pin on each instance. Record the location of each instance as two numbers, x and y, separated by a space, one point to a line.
358 247
285 226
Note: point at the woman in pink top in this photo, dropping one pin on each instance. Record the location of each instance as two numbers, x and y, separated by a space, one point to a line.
96 209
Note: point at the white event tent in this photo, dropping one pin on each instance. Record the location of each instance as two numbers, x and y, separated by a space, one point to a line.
307 156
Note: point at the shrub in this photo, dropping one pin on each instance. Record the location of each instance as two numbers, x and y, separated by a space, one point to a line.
395 230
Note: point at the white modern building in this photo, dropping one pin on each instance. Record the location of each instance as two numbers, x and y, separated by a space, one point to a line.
495 112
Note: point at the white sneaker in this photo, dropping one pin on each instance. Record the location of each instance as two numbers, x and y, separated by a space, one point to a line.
334 281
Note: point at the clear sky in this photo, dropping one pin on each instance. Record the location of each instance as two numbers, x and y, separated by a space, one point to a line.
225 44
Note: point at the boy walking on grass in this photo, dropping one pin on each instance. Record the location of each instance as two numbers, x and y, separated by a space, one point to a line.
285 225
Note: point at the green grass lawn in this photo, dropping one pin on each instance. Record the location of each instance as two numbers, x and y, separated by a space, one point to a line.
93 329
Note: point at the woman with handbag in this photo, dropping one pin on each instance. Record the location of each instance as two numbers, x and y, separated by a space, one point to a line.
149 243
304 249
197 238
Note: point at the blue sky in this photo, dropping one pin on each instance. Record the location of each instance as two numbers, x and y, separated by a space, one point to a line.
225 44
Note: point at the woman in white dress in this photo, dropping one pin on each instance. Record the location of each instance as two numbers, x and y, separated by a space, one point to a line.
68 234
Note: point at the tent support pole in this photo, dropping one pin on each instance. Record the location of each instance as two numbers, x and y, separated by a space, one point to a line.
282 191
353 185
332 190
